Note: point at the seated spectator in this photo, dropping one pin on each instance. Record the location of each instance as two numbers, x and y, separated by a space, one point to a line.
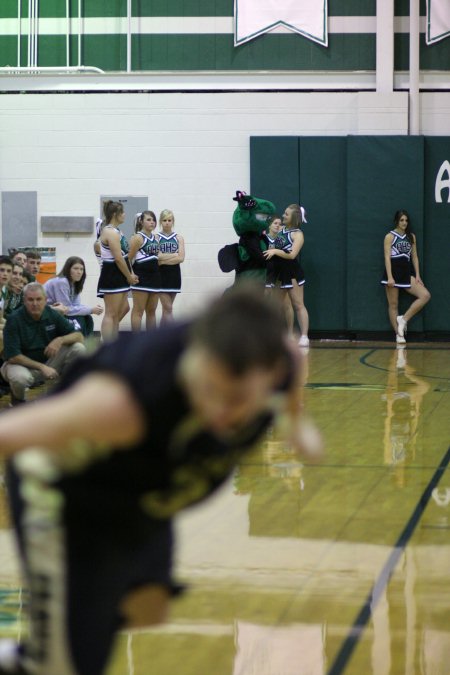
19 257
33 263
6 268
64 291
39 344
14 299
5 275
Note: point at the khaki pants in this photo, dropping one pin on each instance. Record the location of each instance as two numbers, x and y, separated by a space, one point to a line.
20 378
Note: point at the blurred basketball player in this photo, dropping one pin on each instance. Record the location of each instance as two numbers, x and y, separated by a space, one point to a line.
146 426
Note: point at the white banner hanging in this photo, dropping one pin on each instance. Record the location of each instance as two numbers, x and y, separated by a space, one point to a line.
255 17
438 20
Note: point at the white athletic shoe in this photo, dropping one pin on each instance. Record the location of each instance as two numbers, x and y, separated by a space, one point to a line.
304 341
401 340
401 326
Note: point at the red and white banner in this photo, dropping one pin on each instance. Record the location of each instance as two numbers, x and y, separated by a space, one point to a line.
255 17
438 20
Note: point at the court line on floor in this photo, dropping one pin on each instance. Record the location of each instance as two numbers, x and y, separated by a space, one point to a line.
364 345
378 588
323 465
363 361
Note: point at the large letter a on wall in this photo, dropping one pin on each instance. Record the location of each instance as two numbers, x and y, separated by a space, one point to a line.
442 183
255 17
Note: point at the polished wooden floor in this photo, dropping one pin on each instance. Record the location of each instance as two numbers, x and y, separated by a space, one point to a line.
297 569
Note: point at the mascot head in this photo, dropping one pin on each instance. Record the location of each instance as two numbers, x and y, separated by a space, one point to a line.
251 214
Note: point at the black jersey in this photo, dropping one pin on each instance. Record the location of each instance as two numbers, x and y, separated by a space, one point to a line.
149 248
176 464
401 247
284 241
168 243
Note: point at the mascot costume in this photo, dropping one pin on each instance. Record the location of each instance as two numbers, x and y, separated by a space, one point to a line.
251 219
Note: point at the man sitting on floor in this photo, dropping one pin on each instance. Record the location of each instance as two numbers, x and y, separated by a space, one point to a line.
39 343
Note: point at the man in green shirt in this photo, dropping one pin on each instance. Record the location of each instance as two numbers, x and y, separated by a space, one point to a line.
39 343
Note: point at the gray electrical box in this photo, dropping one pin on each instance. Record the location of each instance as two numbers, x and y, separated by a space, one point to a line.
67 224
131 205
19 220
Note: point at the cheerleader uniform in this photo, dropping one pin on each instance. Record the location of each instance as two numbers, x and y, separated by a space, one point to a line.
286 270
146 266
270 267
401 264
170 274
111 278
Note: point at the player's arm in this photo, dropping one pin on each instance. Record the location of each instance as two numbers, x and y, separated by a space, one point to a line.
99 410
299 430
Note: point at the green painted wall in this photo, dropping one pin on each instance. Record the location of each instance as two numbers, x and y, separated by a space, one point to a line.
212 51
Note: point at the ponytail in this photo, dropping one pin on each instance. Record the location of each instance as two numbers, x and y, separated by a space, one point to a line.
111 209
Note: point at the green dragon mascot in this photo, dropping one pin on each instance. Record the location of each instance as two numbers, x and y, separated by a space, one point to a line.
251 219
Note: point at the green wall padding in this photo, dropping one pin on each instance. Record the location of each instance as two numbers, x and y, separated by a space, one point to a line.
322 192
275 169
436 256
351 187
384 174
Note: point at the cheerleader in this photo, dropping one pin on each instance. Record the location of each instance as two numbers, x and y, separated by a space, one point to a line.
143 253
171 246
402 271
116 276
288 272
271 235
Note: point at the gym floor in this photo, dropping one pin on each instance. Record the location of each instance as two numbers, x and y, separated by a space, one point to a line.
310 569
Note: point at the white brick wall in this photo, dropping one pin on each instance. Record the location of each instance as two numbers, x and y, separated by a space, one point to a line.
189 152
